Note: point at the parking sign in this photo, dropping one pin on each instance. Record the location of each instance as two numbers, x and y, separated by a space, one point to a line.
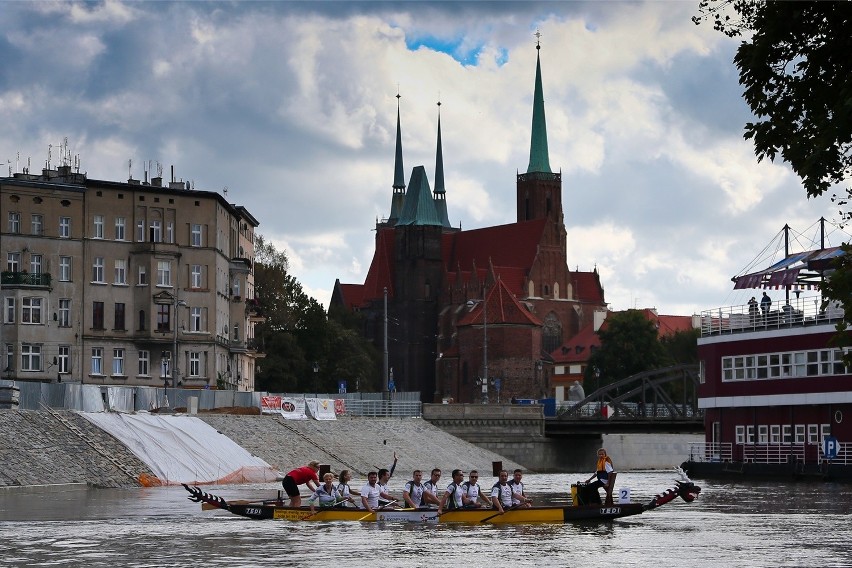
830 447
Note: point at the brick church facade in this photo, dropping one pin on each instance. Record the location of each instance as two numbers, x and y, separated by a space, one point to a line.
473 315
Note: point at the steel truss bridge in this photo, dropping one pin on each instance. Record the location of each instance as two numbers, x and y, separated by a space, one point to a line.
661 400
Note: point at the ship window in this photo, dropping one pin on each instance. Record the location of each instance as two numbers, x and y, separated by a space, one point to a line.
786 434
775 434
763 434
750 435
740 435
813 434
800 433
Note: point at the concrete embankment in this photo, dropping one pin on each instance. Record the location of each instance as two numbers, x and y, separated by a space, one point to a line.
39 448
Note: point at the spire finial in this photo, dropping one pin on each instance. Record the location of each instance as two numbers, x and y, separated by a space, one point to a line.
537 35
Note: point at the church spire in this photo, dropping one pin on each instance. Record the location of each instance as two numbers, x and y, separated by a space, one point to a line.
539 159
440 193
398 198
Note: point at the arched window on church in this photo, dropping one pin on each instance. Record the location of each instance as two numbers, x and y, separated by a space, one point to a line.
546 290
549 203
531 289
556 290
552 333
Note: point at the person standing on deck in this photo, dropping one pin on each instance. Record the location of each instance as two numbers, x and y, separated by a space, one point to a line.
765 306
306 475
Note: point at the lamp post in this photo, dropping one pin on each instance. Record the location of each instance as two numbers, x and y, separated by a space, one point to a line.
316 375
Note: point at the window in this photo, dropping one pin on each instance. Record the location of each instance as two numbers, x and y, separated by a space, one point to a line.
97 361
99 227
775 434
97 315
144 362
98 270
9 310
824 431
813 433
119 316
141 320
194 364
800 433
13 262
763 434
140 231
236 289
195 276
143 275
14 222
35 263
65 269
750 435
119 228
156 231
64 312
170 232
740 434
195 319
30 357
10 357
65 227
31 310
164 273
63 360
121 271
163 317
118 362
786 434
37 224
195 235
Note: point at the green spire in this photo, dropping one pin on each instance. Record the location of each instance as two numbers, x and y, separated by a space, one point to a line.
419 208
539 160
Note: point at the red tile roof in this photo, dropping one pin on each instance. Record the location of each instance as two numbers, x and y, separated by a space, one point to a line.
503 308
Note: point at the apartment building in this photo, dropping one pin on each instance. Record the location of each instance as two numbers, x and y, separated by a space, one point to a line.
135 283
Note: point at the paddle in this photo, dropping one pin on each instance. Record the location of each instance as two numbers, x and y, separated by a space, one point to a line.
378 509
498 514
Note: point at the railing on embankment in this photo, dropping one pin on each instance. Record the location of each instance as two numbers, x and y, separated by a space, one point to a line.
97 398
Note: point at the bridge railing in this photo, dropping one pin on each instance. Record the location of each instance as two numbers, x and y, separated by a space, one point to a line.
624 411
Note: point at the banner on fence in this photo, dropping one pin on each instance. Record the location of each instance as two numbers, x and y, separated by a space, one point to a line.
270 404
339 406
293 408
321 408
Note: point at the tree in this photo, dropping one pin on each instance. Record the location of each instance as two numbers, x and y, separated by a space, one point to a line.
796 69
629 345
304 350
681 347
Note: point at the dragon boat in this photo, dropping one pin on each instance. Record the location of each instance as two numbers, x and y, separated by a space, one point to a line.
586 506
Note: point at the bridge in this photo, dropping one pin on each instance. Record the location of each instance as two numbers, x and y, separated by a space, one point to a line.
645 415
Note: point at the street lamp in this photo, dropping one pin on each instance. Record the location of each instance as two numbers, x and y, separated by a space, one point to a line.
316 374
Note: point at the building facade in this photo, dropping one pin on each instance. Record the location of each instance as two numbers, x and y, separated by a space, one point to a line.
135 283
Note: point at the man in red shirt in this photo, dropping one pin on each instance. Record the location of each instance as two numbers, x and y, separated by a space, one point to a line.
301 475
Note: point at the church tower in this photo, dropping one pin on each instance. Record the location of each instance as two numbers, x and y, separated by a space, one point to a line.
398 198
440 193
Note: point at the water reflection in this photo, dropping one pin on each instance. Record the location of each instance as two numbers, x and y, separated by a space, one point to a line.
763 524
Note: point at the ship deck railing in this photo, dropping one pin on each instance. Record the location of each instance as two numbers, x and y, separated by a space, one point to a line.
799 312
768 453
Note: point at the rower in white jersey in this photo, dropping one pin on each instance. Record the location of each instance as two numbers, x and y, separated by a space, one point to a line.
519 498
452 498
414 489
430 495
472 494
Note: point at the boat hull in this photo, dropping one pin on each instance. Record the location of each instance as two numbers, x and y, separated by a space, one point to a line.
472 516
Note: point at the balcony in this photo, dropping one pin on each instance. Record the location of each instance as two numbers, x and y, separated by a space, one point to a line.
800 312
34 280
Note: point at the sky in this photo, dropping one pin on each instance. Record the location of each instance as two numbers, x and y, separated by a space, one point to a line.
291 107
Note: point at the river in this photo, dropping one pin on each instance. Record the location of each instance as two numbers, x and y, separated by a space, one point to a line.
769 524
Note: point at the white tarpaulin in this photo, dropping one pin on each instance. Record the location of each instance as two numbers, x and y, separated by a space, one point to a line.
183 449
321 408
293 408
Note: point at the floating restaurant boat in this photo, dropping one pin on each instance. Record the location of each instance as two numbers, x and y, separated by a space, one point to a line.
586 507
774 387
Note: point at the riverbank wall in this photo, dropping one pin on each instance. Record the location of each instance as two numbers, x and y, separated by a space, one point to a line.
62 447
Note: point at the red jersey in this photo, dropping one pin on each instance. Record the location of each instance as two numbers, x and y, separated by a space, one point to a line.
304 474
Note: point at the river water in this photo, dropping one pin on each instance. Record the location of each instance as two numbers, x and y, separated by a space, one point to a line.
767 524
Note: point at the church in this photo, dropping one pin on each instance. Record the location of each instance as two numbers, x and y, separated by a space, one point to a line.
473 315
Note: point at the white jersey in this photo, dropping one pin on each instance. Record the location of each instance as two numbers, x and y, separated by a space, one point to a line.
455 500
503 494
517 491
371 493
415 492
471 491
326 497
431 488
